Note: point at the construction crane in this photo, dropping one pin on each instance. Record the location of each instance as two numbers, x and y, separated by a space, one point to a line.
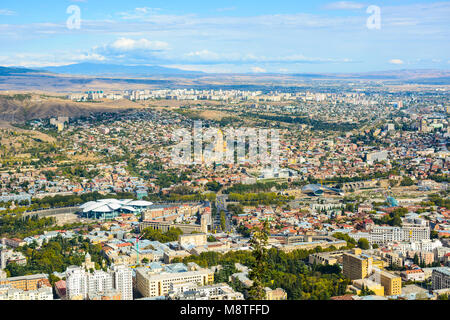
137 248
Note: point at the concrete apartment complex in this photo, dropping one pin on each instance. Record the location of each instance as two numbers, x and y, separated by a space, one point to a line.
116 284
26 283
357 265
409 232
158 280
190 291
392 283
329 258
440 278
360 268
31 287
7 292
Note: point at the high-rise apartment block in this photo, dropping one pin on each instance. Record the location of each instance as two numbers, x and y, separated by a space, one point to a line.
357 265
440 278
115 284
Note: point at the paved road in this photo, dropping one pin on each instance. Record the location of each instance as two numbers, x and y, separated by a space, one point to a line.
52 212
228 222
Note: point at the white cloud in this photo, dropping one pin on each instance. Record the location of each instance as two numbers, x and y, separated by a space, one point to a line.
396 61
91 57
344 5
203 54
127 50
40 60
294 38
258 70
6 12
124 45
206 56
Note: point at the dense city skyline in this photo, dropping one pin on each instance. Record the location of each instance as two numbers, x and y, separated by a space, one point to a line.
212 158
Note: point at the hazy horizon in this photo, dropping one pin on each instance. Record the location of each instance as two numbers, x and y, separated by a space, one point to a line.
229 37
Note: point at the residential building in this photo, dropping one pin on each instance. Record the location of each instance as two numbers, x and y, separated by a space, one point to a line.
275 294
392 283
8 292
157 282
99 285
357 265
440 278
219 291
413 275
123 281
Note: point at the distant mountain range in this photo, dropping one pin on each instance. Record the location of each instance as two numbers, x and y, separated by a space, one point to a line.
101 69
134 74
6 71
405 74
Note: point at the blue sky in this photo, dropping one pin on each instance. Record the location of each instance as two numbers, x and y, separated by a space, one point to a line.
229 36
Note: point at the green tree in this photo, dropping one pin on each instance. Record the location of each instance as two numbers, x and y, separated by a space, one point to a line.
366 291
363 243
223 222
416 259
406 181
258 242
396 221
213 186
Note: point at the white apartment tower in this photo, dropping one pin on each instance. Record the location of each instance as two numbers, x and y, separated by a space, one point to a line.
3 255
123 281
76 283
2 260
99 281
84 285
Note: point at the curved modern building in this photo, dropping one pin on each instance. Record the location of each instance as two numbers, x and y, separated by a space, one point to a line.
111 208
318 190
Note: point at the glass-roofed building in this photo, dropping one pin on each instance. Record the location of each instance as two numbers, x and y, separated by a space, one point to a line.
110 208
